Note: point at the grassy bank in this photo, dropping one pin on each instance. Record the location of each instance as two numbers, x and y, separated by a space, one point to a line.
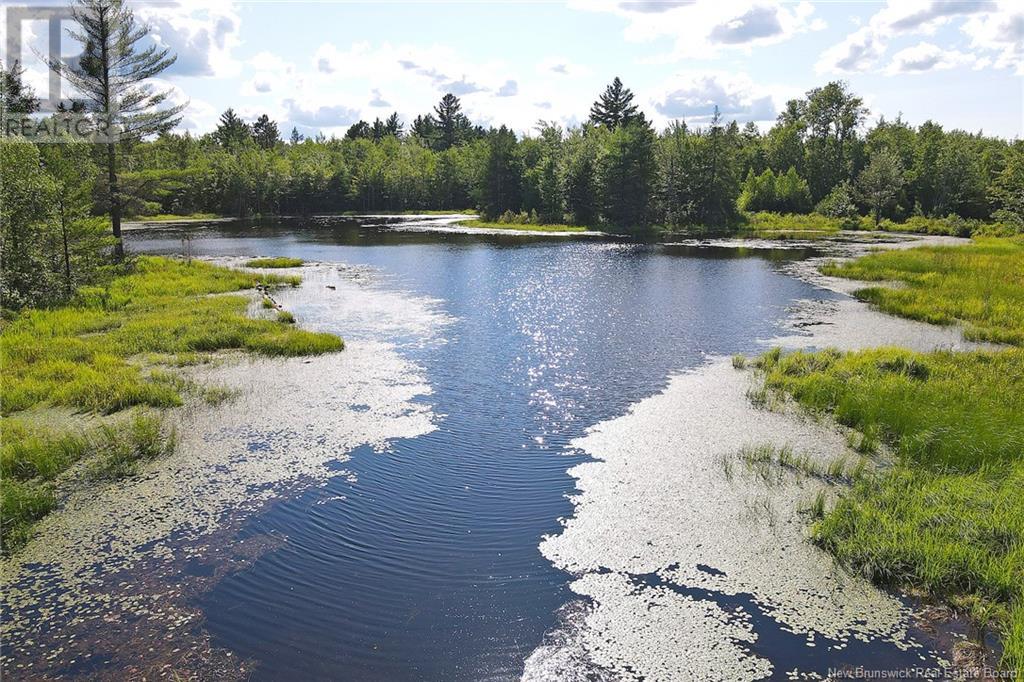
277 262
948 517
116 348
171 217
811 226
526 227
980 285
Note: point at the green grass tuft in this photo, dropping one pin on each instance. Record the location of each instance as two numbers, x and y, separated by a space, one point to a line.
980 285
285 317
97 355
948 516
278 262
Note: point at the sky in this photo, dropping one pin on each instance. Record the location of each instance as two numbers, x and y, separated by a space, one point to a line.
321 66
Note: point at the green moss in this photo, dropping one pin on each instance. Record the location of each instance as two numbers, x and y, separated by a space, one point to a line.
278 262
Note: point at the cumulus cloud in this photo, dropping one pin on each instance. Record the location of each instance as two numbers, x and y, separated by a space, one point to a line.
321 116
1001 34
758 22
703 28
377 100
859 51
509 89
928 57
201 34
693 96
991 27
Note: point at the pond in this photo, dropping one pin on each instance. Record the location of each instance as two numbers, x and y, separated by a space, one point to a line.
422 561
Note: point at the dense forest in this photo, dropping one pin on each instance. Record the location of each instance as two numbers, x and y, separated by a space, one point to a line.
615 171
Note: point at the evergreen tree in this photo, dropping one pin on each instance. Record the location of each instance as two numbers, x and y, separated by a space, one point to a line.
614 107
16 97
296 136
393 126
453 126
232 132
112 76
579 177
265 133
626 173
502 179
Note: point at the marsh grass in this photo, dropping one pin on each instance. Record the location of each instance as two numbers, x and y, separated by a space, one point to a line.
116 347
285 317
772 463
948 516
980 285
33 457
739 361
277 262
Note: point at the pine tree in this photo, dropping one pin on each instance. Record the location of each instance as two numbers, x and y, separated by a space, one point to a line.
16 97
393 126
265 133
111 75
451 122
232 132
296 136
614 107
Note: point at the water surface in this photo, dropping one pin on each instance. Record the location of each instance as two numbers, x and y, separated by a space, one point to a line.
422 562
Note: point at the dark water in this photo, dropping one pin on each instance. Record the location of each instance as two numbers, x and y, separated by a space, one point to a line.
429 566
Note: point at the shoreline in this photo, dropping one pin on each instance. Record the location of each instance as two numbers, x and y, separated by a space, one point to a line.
669 455
107 585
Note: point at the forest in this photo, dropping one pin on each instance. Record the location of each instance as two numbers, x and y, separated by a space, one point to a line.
820 161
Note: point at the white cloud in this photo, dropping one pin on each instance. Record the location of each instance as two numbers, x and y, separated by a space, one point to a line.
925 57
990 26
201 34
693 96
704 28
858 52
1001 33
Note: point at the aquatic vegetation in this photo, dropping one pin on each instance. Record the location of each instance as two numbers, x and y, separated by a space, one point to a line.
268 303
277 262
32 457
96 354
948 517
739 361
285 317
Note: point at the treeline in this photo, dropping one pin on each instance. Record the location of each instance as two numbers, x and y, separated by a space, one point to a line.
614 170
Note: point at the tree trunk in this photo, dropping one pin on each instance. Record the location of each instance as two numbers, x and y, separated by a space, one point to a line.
115 201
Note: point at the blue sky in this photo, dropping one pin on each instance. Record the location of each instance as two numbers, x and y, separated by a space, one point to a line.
323 65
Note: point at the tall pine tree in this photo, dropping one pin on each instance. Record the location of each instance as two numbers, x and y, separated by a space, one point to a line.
615 107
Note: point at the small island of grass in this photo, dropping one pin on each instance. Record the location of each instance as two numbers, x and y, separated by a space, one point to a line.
274 263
